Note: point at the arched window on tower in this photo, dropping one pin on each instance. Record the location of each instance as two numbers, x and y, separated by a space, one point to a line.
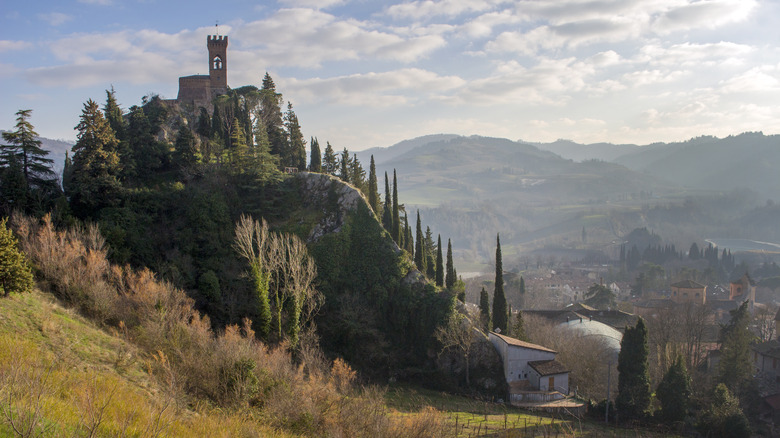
217 63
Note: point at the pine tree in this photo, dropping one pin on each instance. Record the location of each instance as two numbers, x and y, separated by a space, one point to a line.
95 163
264 164
344 162
373 189
633 398
449 276
271 116
295 153
25 149
439 265
396 228
113 114
674 392
186 154
315 158
419 251
15 273
330 161
484 308
500 313
239 151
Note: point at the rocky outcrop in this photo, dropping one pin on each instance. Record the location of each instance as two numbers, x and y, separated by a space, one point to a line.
333 197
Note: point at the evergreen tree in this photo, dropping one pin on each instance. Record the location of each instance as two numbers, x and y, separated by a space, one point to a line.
23 155
315 158
419 251
387 211
295 153
186 154
357 176
633 398
484 308
500 312
396 229
429 247
13 188
373 189
146 154
439 264
239 151
408 238
600 297
449 275
345 164
693 252
735 368
217 128
674 391
95 163
330 161
271 115
204 123
723 418
522 292
15 273
114 114
518 328
264 164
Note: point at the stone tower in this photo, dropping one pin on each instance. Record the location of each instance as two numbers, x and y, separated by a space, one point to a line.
217 63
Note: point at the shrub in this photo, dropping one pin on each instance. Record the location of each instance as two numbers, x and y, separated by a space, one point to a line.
15 274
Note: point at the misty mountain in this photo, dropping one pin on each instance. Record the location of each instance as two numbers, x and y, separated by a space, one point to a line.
748 160
583 152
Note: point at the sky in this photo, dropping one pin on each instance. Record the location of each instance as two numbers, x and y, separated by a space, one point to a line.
365 73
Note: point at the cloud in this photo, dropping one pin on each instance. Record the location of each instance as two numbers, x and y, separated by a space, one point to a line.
763 79
55 18
8 45
392 88
418 10
693 54
703 14
308 38
483 25
315 4
97 2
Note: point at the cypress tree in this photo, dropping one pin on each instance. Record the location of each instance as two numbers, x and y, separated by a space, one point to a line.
204 123
114 114
408 238
186 153
484 308
271 115
633 398
294 154
315 159
396 229
518 328
522 292
330 162
735 368
674 392
373 189
419 251
500 313
15 273
357 176
387 211
439 265
429 247
449 279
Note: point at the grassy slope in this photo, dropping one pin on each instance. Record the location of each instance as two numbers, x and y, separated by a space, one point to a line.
53 359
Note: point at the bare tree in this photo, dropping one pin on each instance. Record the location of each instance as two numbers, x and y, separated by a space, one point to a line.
458 334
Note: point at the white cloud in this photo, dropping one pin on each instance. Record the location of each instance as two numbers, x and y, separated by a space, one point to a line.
703 14
8 45
315 4
758 79
693 54
483 25
418 10
307 38
55 18
392 88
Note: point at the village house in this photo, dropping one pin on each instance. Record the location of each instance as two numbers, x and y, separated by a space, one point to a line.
531 370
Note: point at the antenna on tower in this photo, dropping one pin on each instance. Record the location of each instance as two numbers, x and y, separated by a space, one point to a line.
217 26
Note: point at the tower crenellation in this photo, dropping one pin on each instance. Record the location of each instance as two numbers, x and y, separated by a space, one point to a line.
200 89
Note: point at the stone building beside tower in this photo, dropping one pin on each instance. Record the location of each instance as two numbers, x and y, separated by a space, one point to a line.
199 90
